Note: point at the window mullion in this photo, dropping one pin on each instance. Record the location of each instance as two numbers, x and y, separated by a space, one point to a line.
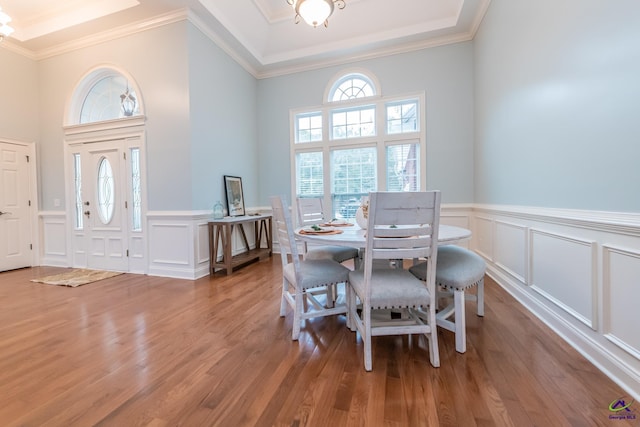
350 160
382 155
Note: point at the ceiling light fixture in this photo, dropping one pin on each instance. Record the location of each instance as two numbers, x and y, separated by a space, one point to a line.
5 29
315 12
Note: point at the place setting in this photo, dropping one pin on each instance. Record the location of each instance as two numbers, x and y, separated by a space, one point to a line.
337 223
318 229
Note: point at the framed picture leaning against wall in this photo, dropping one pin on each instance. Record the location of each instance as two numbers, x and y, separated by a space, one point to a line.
235 197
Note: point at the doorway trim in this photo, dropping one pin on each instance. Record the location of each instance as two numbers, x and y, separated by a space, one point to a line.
33 196
132 131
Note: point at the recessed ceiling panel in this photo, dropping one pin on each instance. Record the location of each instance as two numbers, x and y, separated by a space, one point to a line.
260 34
36 18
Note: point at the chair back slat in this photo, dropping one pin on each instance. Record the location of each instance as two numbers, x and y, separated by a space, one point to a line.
402 224
408 210
402 242
310 210
283 228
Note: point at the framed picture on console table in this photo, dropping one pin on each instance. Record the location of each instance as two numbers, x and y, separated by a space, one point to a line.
235 197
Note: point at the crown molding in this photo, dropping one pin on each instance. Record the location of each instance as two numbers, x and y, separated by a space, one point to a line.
116 33
12 47
257 71
372 54
226 48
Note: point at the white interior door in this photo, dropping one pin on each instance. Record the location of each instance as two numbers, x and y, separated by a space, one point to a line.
101 190
15 207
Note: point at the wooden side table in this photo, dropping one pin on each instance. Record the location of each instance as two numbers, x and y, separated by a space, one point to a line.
221 235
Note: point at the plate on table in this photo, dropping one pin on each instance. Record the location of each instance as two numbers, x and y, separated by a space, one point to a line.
337 223
319 230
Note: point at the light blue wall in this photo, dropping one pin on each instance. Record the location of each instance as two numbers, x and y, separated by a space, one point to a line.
558 104
445 74
200 107
162 77
19 97
223 123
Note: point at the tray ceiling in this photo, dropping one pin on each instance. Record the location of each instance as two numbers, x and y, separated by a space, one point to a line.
260 34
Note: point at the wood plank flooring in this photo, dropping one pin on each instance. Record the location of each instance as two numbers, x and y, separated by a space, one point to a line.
148 351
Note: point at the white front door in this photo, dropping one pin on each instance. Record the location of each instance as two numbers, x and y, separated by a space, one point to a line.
15 207
100 237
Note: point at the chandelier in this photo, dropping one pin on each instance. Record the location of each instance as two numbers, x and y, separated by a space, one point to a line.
315 12
5 29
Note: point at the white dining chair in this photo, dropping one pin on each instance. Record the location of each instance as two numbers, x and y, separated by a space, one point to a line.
311 212
304 282
458 269
401 225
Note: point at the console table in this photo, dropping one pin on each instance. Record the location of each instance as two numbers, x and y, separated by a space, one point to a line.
221 235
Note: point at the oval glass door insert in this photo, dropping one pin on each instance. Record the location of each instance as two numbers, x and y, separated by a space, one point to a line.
106 191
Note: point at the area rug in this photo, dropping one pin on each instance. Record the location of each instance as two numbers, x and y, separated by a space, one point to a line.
76 277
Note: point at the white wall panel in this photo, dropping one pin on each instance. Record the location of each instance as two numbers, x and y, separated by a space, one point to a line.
202 253
562 270
170 243
137 258
455 220
178 244
584 270
510 248
483 237
622 298
53 228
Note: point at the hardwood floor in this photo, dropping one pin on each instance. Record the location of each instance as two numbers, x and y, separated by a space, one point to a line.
147 351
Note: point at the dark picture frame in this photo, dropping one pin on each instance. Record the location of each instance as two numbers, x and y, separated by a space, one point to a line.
235 196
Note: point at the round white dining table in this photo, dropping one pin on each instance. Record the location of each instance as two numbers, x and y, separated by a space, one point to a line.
355 236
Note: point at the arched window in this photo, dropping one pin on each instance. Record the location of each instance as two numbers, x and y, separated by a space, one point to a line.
357 142
104 94
352 86
111 97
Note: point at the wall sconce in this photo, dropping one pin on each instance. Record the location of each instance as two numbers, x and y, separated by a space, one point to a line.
128 101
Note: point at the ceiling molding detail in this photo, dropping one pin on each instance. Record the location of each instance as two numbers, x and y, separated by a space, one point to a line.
268 43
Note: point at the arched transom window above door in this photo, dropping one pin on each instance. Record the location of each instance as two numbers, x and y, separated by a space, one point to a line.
105 94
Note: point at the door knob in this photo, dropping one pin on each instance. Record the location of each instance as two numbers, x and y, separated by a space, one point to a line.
86 203
87 213
5 213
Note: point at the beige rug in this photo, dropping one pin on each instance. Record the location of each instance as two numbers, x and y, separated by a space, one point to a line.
76 277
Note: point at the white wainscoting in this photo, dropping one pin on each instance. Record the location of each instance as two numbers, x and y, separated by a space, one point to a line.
578 271
178 244
457 215
621 298
563 271
53 238
510 248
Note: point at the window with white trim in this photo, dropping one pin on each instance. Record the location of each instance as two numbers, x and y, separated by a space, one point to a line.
358 142
111 97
